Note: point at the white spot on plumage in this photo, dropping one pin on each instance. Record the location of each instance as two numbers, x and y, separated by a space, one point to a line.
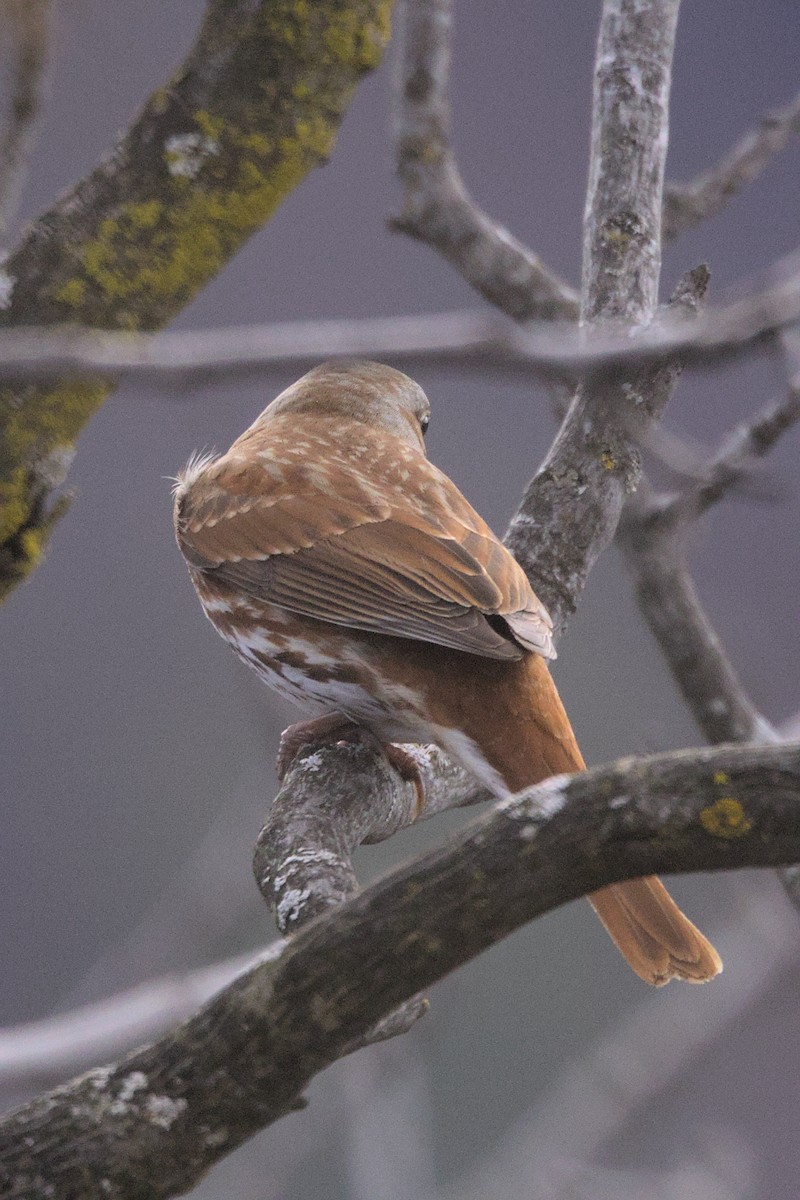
216 604
462 748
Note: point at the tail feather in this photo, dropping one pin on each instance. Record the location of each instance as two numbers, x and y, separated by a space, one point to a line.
653 935
509 728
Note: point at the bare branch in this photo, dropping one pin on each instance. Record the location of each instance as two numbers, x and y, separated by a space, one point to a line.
687 204
150 1126
734 460
256 104
669 603
570 511
43 1053
26 34
302 860
475 340
437 208
651 538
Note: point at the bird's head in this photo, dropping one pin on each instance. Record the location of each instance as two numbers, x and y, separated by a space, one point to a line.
358 390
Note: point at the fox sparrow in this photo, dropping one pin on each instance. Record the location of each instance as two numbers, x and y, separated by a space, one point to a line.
354 577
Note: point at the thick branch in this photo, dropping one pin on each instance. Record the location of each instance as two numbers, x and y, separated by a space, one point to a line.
570 511
437 208
150 1126
687 204
303 858
256 104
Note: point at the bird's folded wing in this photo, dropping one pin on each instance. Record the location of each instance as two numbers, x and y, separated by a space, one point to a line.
373 563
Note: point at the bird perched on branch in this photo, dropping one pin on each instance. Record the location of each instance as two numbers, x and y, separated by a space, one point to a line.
358 582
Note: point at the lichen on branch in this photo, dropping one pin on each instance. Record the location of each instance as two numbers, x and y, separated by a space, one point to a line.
254 107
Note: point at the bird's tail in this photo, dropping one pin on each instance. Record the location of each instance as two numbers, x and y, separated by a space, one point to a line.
656 939
650 931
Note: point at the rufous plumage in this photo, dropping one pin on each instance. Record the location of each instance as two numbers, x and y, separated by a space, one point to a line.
355 578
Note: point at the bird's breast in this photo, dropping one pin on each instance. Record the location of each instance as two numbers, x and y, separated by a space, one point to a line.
318 666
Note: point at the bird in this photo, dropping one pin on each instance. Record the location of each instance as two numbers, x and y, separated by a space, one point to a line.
355 578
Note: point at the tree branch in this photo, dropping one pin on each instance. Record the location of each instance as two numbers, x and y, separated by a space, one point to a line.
254 107
43 1053
734 460
302 861
652 540
570 511
475 340
437 208
687 204
26 29
245 1059
694 653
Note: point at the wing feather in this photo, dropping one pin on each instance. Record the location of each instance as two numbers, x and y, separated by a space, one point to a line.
407 558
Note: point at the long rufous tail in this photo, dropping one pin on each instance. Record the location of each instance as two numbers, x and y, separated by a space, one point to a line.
658 941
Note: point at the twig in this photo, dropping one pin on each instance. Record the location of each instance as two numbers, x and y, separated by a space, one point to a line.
43 1053
26 28
671 607
470 340
734 460
437 208
152 1124
687 204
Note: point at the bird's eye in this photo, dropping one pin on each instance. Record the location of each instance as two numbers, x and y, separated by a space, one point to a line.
424 422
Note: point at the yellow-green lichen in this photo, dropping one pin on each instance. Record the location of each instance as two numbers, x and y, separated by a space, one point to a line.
72 293
720 778
725 818
147 257
13 503
607 461
352 40
159 254
50 417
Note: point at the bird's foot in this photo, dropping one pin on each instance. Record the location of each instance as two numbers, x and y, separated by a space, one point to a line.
334 727
407 768
331 727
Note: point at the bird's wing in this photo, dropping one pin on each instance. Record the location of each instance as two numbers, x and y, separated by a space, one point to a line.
407 557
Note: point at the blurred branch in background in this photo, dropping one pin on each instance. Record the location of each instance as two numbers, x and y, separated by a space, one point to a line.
256 104
649 1054
686 205
155 1122
473 340
437 208
24 42
44 1053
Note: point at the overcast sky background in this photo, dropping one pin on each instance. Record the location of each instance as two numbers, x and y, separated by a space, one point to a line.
128 726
